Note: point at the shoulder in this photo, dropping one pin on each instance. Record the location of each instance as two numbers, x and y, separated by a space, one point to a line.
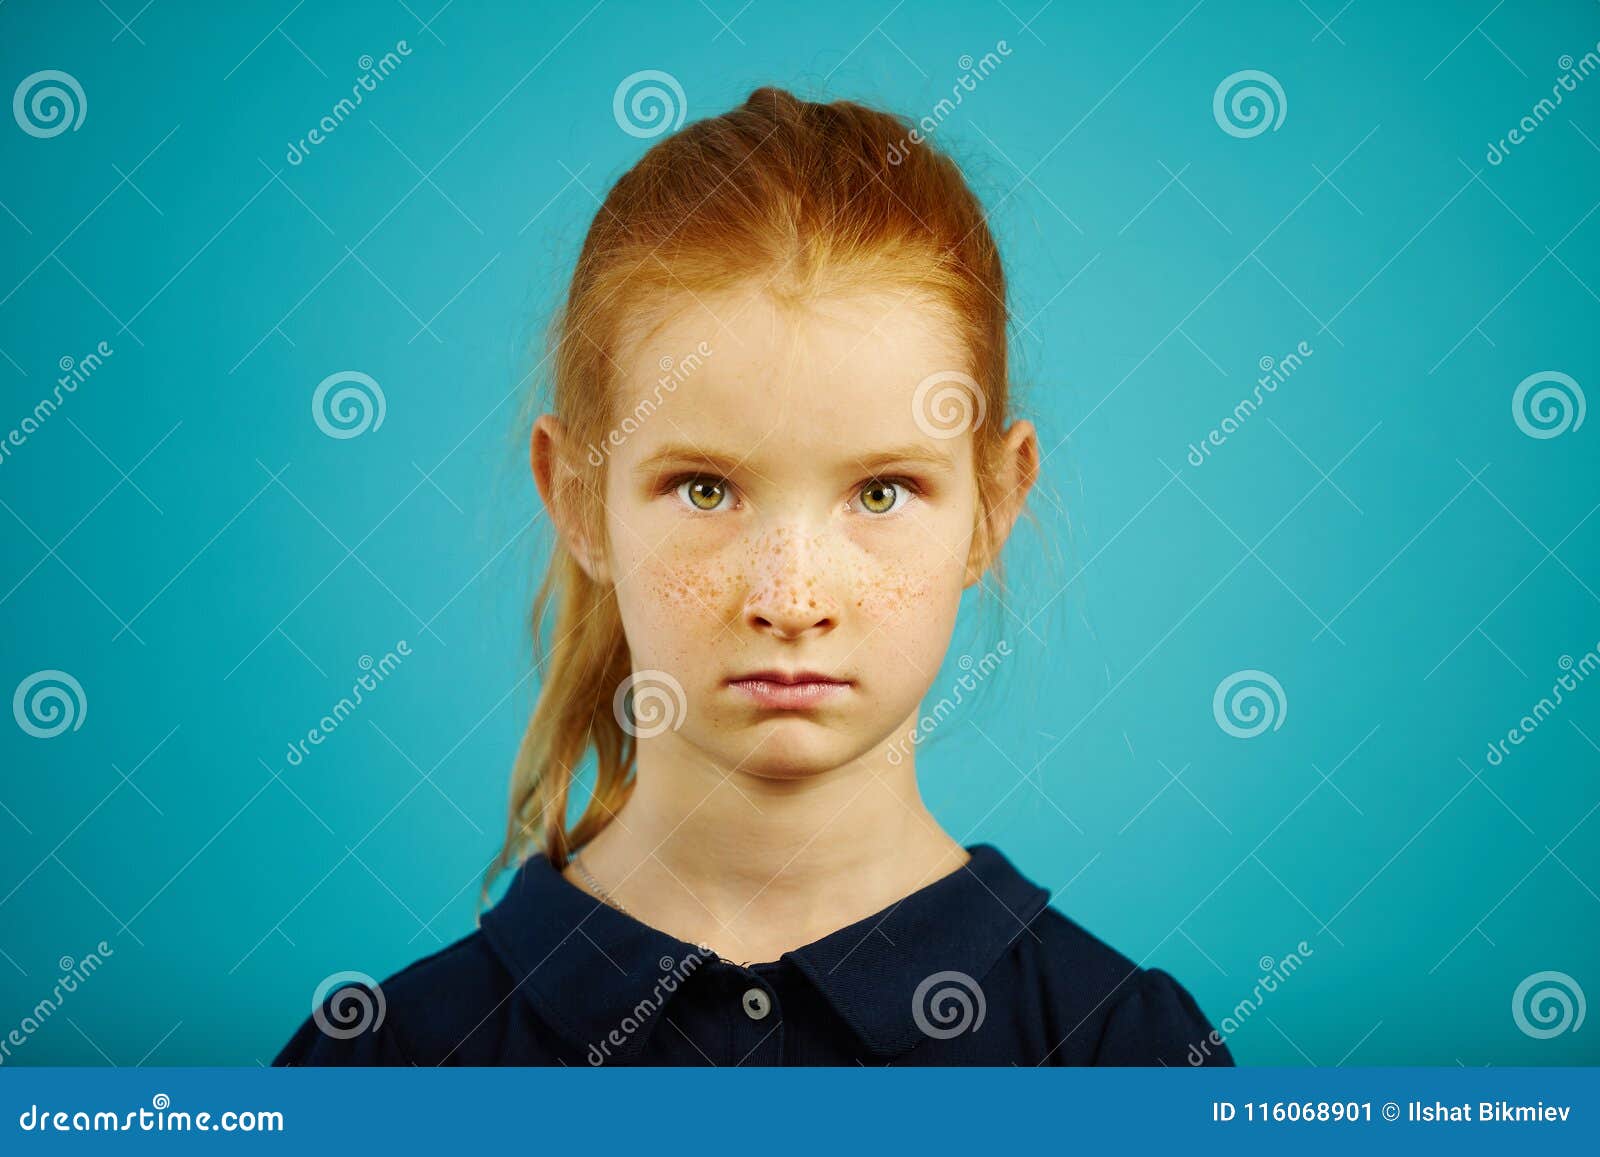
1106 1009
424 1014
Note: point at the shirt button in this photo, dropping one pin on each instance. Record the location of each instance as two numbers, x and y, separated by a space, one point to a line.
757 1003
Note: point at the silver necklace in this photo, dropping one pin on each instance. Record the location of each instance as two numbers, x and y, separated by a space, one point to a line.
599 889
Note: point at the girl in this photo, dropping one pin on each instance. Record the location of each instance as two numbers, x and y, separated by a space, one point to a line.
779 453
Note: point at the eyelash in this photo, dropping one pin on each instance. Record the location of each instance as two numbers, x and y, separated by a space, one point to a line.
670 486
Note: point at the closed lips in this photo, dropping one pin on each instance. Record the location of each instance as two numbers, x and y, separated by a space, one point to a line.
784 679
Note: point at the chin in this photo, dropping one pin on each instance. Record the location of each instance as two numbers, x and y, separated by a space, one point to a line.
792 749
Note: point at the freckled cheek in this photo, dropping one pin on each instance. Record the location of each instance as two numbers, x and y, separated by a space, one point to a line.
681 587
704 583
914 571
919 588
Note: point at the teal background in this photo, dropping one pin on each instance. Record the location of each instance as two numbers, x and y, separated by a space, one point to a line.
1380 536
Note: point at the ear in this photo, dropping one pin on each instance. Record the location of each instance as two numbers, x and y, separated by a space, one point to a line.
560 479
1015 472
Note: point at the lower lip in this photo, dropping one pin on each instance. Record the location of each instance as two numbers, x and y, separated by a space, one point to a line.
788 696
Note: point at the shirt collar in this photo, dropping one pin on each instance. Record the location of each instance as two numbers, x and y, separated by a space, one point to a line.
586 966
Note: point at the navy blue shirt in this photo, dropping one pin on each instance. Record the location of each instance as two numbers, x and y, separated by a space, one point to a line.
973 969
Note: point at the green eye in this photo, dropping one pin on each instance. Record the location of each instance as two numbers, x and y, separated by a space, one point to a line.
879 496
706 493
703 493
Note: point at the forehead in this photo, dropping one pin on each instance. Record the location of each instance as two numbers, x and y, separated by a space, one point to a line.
838 375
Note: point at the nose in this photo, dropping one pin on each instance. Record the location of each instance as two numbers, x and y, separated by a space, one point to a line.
791 584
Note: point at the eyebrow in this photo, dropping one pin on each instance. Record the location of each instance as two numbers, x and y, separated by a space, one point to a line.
910 454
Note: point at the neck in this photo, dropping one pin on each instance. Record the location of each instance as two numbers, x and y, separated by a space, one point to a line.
752 866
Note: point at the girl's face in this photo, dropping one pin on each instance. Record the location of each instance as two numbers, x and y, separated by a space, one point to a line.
792 502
